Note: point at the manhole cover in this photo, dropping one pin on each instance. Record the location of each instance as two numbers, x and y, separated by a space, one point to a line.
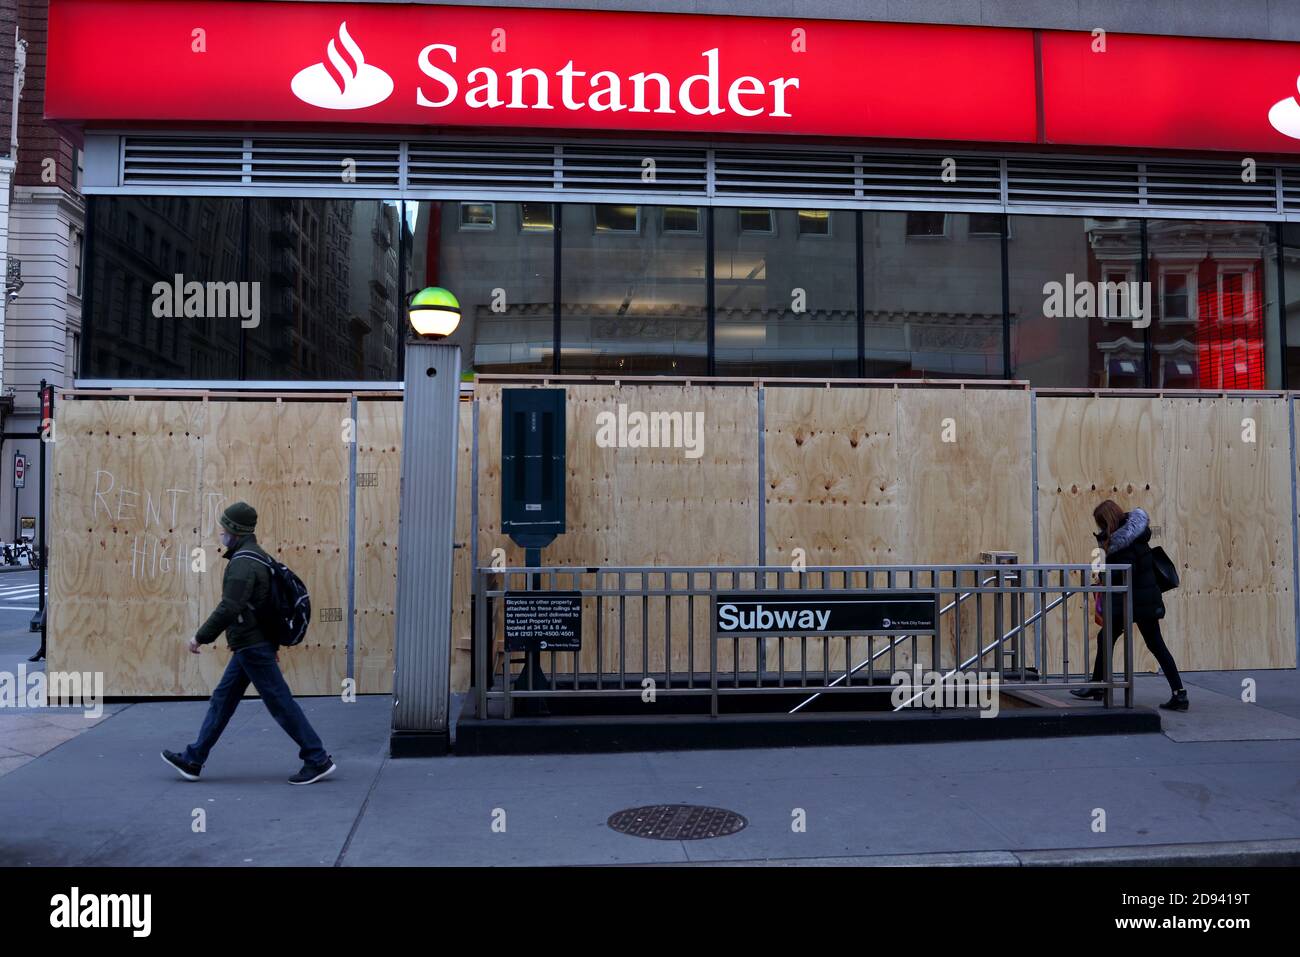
677 822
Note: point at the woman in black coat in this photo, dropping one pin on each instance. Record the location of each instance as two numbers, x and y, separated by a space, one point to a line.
1126 536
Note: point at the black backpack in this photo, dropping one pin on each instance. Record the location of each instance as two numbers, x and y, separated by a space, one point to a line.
287 612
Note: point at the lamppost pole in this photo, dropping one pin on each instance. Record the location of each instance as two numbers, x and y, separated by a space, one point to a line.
425 542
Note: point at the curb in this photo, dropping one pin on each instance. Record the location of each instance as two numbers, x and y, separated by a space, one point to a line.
1279 853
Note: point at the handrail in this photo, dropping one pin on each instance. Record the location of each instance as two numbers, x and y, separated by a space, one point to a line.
996 642
893 644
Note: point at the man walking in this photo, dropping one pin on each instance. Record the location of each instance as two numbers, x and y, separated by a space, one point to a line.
245 588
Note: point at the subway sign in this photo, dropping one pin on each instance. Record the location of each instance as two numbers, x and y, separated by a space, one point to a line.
780 613
234 63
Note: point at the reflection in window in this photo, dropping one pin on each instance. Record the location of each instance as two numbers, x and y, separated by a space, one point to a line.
1214 304
138 329
682 219
814 222
985 224
1064 331
503 279
927 224
756 221
536 216
617 219
933 310
478 215
784 307
328 275
631 301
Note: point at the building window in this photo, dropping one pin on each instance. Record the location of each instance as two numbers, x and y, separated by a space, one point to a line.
759 221
682 219
616 219
536 217
814 222
985 224
478 216
1177 304
76 255
927 225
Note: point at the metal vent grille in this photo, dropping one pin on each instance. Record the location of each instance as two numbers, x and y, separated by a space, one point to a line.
651 169
1291 189
733 173
475 166
1215 186
1052 182
169 161
902 178
357 164
811 174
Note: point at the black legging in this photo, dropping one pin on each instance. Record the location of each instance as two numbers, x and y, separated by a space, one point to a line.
1150 628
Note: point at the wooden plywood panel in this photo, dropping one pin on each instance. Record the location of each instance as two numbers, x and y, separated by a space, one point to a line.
379 471
462 581
1219 505
635 505
1091 449
127 510
290 461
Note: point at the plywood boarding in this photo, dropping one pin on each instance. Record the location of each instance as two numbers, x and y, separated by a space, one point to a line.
127 592
895 477
641 506
127 510
1220 506
379 469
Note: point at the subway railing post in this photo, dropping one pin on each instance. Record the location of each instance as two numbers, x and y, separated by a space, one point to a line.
427 526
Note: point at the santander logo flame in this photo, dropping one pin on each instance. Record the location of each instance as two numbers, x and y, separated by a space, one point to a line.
1285 115
344 81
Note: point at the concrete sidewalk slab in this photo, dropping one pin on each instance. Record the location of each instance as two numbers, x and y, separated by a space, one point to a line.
105 797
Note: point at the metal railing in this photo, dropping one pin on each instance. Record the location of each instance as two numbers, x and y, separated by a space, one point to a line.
652 632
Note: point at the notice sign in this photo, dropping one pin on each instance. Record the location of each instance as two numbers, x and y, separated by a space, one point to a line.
543 620
825 613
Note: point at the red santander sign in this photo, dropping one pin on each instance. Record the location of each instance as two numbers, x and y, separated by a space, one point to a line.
232 62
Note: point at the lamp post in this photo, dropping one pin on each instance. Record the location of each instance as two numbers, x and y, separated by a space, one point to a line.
426 528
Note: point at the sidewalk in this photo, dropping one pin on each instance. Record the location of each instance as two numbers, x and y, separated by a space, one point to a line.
1224 772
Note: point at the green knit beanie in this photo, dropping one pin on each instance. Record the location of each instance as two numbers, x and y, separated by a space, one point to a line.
239 519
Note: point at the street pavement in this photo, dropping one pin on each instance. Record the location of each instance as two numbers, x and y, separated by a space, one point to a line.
83 792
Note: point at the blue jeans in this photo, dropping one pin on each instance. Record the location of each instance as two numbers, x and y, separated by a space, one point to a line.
258 665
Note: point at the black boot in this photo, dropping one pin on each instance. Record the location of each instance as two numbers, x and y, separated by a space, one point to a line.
1178 702
1089 694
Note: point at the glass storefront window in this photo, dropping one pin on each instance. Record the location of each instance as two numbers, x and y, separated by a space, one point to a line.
933 296
1213 288
149 322
1074 298
503 278
1086 309
328 274
633 294
1291 310
785 300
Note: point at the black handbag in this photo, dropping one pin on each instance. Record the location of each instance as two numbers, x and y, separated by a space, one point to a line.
1165 569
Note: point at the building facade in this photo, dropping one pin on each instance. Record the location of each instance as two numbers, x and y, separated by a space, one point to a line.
1084 198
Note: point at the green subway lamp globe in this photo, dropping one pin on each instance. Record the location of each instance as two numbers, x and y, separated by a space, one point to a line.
434 312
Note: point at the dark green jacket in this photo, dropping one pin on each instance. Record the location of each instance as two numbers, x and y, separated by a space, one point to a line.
245 585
